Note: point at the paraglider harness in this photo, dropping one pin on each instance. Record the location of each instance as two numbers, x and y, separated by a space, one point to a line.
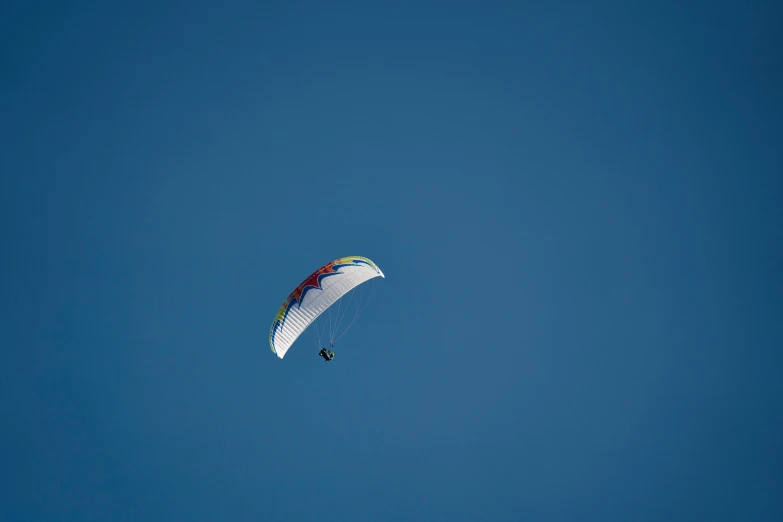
328 355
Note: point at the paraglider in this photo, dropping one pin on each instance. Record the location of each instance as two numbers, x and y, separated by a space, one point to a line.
315 295
328 355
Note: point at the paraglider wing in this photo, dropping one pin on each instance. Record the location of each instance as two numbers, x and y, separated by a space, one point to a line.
317 293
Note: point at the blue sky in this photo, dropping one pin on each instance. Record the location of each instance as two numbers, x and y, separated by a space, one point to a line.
577 207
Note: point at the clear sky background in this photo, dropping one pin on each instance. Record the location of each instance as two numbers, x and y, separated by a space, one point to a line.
577 207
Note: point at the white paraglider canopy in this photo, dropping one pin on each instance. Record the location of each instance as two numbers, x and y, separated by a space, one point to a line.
316 294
